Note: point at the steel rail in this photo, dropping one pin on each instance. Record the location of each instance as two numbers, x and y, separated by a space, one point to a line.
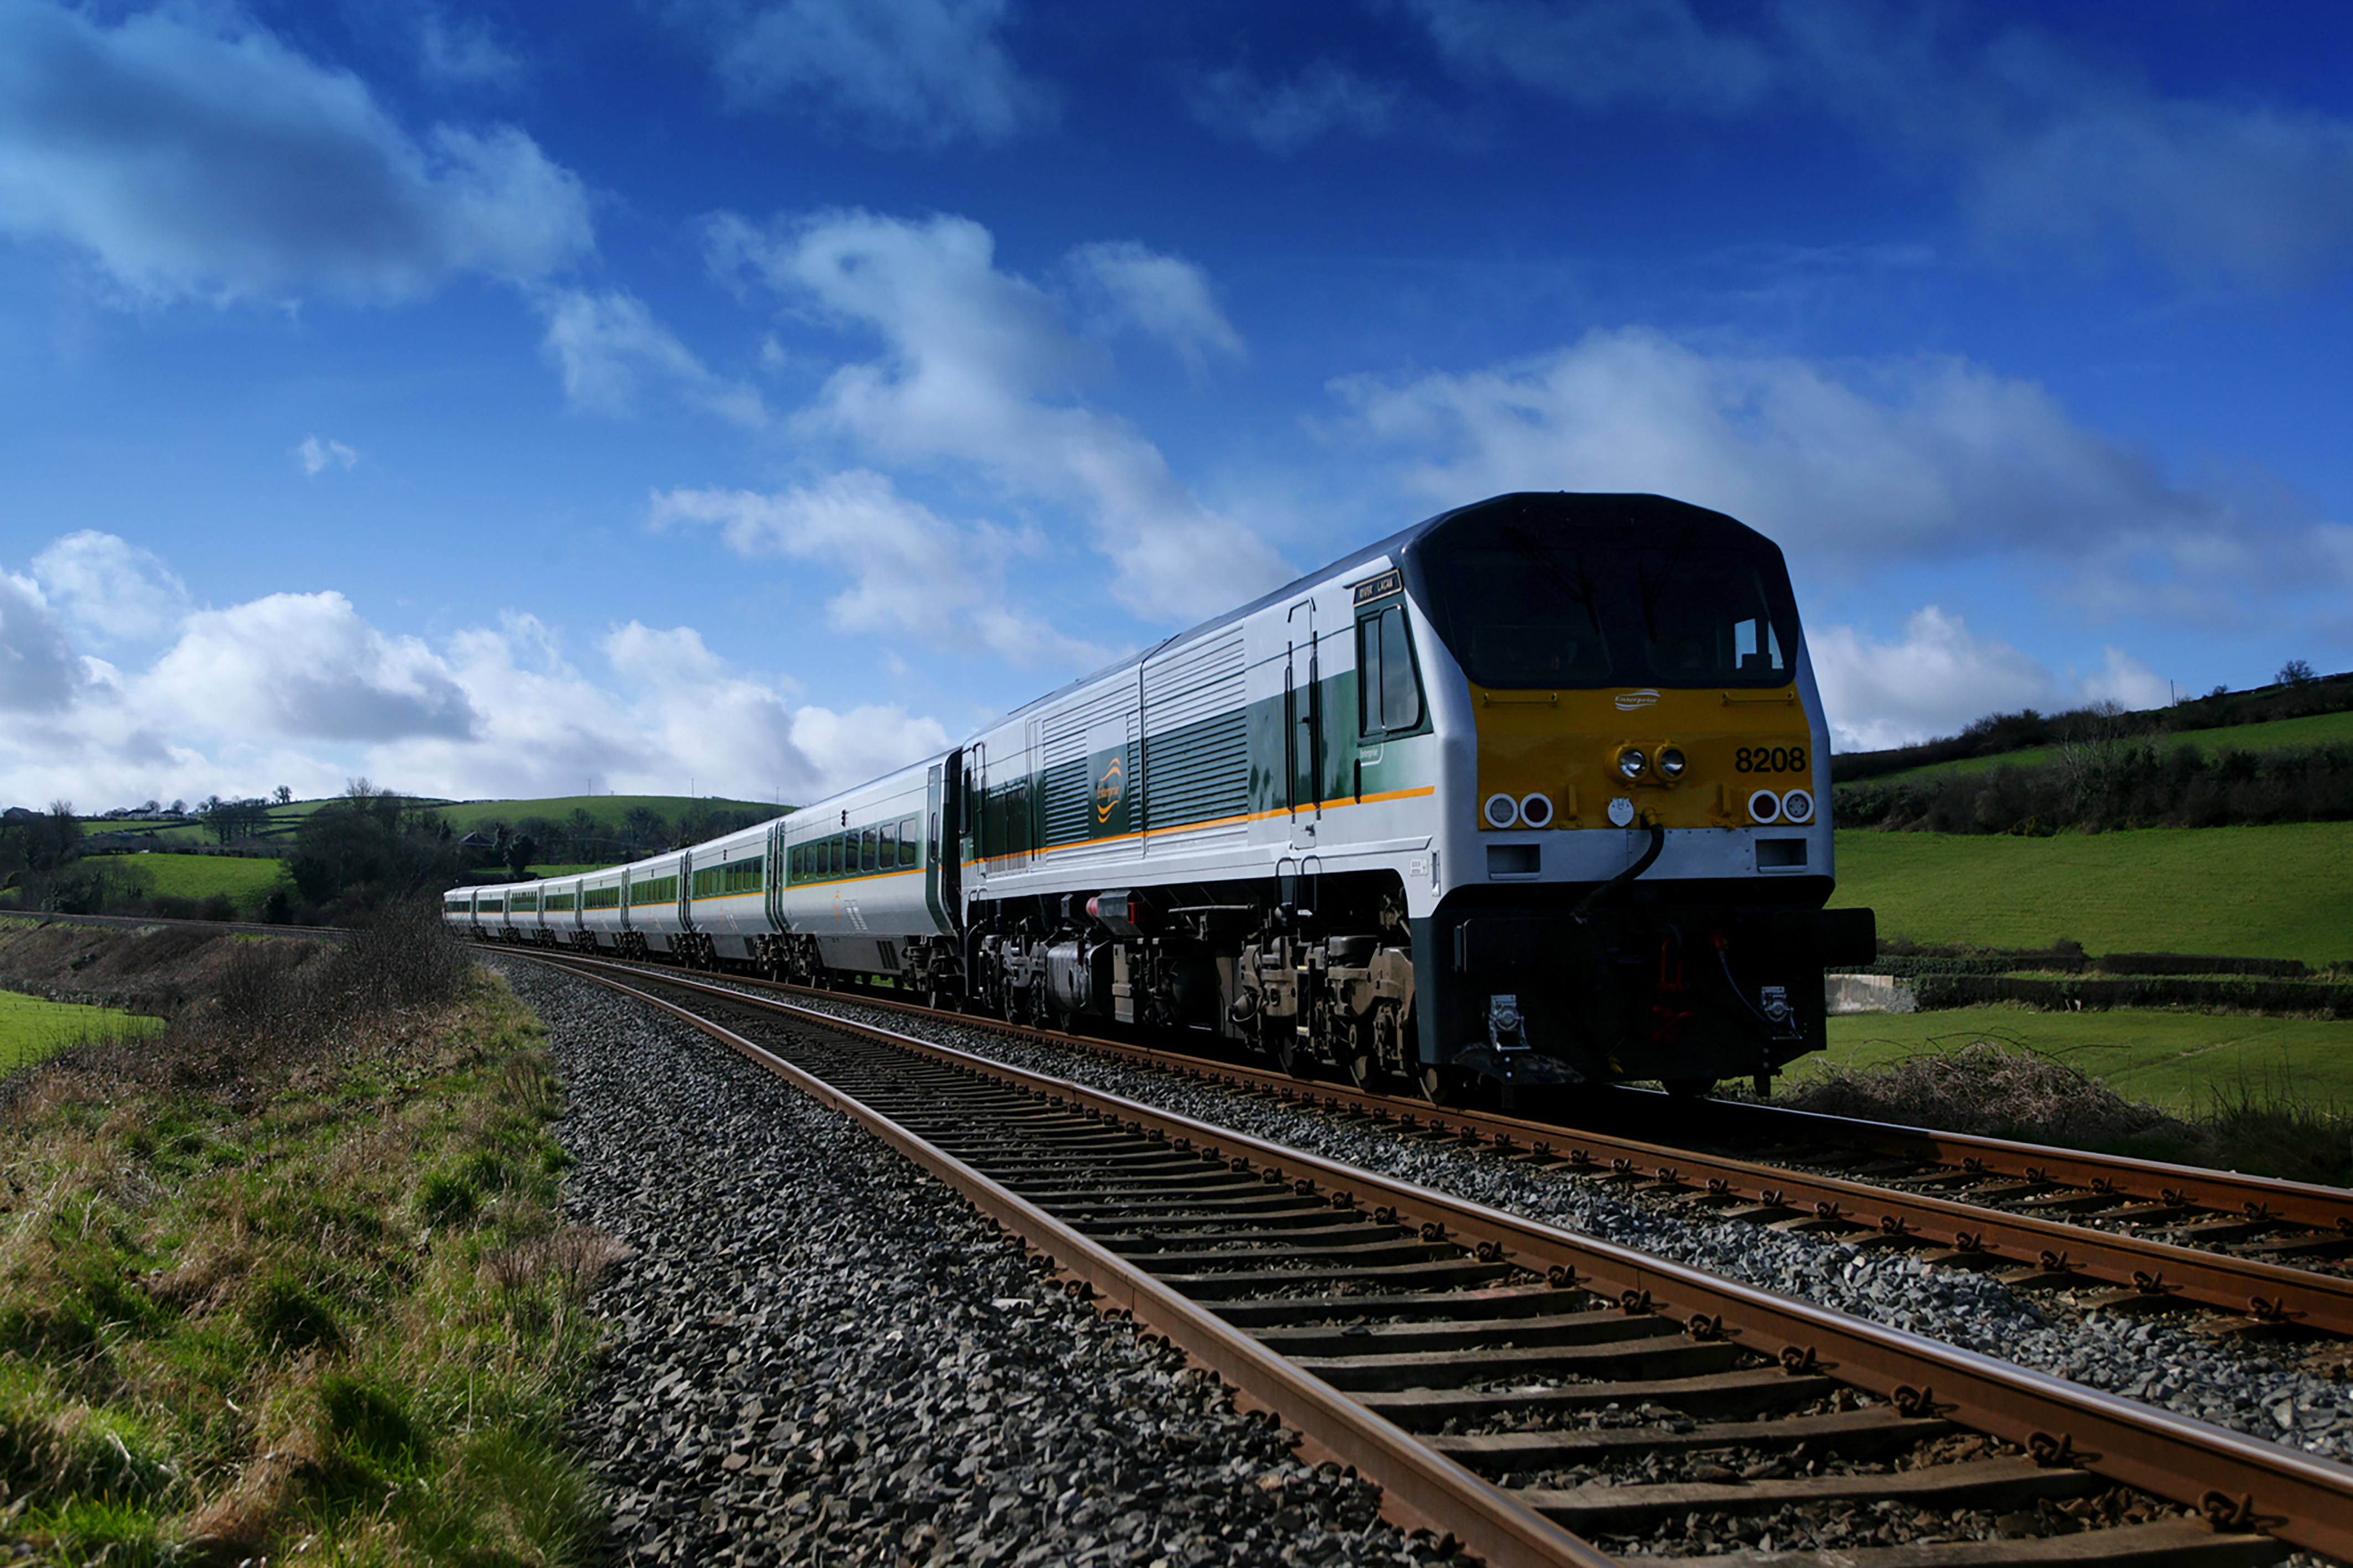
2263 1292
2236 1481
2225 1191
1420 1489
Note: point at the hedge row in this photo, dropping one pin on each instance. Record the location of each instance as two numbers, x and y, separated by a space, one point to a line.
2240 992
2109 783
1908 966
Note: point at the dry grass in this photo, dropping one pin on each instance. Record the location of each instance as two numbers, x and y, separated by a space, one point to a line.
232 1324
1996 1091
2003 1089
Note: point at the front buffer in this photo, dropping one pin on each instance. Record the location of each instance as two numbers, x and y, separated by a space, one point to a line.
1683 993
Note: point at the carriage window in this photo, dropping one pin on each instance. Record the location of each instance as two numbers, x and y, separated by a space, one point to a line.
908 842
1389 698
866 849
889 855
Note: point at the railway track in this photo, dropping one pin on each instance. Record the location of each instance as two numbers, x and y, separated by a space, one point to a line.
1512 1383
2133 1235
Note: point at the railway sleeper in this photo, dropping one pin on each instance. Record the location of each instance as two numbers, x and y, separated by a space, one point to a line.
1117 1230
2002 1483
1584 1328
1728 1395
2167 1544
1399 1247
1503 1302
1667 1356
1447 1274
1873 1432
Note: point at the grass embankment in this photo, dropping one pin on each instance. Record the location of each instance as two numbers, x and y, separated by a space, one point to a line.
2253 892
32 1028
288 1274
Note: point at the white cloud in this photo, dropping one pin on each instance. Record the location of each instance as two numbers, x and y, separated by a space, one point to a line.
460 51
1939 676
302 666
2126 682
1604 54
605 346
927 72
1934 681
1327 98
913 571
300 689
39 671
317 457
2241 194
2045 153
1853 463
110 587
668 716
979 369
1133 287
195 160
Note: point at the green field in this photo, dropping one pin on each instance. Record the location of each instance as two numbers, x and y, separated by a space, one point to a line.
247 881
2187 1063
30 1028
2252 892
2278 735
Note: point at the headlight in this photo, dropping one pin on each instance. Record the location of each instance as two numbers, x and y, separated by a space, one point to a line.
1798 805
1631 762
1501 810
1671 763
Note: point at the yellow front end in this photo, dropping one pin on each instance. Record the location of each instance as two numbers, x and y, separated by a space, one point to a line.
1675 759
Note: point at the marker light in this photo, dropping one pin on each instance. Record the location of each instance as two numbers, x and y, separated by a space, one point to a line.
1764 806
1798 805
1501 811
1535 810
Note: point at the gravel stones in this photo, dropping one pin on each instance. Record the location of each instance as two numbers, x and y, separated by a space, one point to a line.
2210 1379
816 1355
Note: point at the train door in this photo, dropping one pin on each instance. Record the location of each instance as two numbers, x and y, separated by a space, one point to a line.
975 813
1302 723
940 867
774 872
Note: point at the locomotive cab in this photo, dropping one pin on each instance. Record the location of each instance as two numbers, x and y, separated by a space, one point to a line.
1642 844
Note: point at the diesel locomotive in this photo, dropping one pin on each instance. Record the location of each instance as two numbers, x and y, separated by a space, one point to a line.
1533 791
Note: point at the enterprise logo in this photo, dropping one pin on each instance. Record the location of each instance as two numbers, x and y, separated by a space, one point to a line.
1629 701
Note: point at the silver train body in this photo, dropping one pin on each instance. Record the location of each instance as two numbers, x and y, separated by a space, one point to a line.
1532 791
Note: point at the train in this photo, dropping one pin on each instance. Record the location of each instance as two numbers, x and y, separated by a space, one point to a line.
1530 795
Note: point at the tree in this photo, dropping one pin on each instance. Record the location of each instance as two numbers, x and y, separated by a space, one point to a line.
521 852
57 843
285 794
2295 672
230 819
366 847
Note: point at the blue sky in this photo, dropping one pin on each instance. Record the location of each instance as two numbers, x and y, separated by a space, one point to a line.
748 397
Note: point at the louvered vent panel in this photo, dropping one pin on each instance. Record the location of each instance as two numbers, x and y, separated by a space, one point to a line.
1196 727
